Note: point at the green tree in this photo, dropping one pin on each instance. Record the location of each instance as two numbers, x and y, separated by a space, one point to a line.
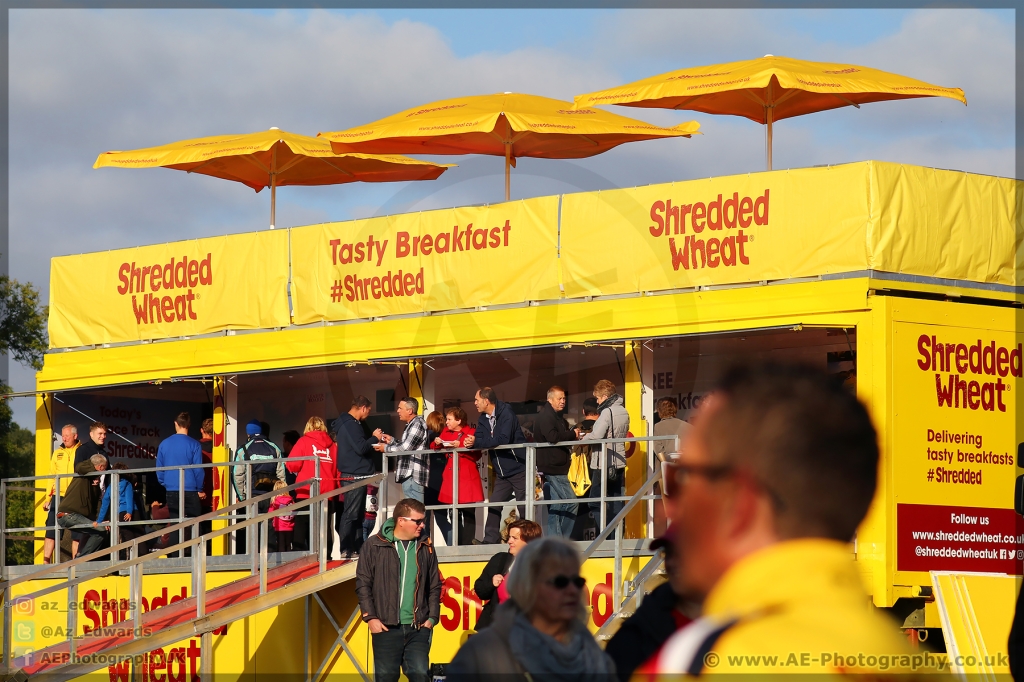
22 323
23 337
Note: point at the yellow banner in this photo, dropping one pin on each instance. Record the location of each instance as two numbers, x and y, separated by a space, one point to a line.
792 224
178 289
419 262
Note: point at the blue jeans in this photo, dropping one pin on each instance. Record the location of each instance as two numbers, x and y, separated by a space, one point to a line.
402 646
561 517
410 488
92 537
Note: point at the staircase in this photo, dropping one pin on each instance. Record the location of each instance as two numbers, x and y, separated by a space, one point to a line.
198 615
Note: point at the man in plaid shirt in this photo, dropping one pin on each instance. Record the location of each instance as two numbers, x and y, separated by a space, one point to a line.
412 470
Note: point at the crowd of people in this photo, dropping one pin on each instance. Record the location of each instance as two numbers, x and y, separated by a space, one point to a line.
764 495
347 453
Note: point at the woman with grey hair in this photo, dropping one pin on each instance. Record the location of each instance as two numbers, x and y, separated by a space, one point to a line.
540 633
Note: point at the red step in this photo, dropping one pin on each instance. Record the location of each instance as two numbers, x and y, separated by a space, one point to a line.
183 611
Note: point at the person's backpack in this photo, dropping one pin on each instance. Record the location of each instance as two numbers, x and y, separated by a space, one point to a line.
263 475
579 470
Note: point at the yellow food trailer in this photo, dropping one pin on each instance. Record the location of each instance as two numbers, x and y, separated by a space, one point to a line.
901 278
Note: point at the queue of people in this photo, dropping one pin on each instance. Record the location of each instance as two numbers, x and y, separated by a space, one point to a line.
347 453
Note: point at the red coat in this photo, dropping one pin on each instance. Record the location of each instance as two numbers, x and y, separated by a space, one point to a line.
470 488
317 443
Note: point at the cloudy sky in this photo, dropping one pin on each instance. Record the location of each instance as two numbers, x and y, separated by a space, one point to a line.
86 81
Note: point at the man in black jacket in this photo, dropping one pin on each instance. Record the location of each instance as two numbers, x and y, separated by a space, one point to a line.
551 427
355 461
499 425
398 585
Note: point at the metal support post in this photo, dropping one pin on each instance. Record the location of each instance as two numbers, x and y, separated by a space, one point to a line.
181 496
8 628
314 509
199 578
455 499
262 525
617 568
115 512
135 591
324 530
604 486
531 481
58 532
72 630
206 657
382 491
250 513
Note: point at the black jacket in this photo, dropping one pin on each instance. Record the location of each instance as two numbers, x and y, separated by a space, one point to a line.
507 430
550 427
485 589
1015 646
378 585
87 449
355 451
83 495
644 632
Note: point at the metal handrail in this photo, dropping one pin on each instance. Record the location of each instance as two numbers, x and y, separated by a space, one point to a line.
530 502
603 535
115 523
198 560
182 525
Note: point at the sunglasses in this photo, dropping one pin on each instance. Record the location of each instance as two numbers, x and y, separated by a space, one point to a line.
676 474
560 582
419 522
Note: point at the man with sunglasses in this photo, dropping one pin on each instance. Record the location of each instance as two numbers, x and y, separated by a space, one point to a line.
765 497
399 589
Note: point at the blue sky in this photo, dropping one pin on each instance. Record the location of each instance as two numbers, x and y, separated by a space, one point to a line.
86 81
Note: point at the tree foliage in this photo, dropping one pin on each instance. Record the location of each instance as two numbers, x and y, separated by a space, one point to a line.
17 447
22 322
23 337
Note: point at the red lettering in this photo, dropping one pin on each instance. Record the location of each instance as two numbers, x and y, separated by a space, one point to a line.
659 223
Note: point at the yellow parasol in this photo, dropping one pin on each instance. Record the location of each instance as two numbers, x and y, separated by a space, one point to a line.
767 89
510 125
271 159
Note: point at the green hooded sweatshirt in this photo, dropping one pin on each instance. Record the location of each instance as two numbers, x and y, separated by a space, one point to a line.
407 571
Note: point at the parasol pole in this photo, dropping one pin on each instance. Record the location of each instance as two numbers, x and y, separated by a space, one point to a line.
768 111
508 170
273 187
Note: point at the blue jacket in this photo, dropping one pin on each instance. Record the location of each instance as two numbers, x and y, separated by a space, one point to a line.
506 431
125 499
177 450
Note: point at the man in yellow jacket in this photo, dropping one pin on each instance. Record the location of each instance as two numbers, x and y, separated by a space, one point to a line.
776 475
62 461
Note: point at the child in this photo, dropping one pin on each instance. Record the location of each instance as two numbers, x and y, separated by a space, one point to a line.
284 524
470 489
125 501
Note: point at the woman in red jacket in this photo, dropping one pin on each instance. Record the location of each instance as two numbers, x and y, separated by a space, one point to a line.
470 489
315 442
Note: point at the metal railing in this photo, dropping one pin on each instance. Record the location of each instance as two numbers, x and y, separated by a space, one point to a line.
530 503
247 511
317 504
